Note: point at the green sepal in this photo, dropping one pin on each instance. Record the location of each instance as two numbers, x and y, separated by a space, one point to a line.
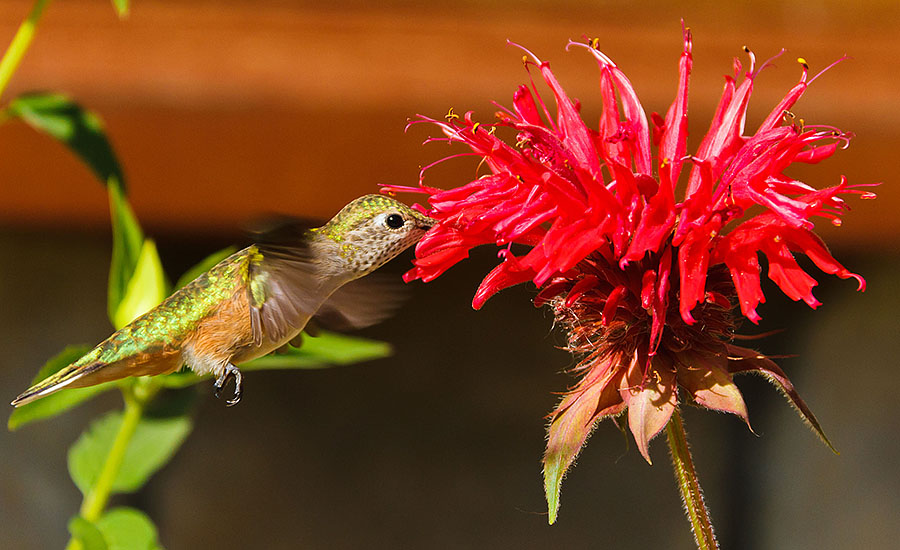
154 442
61 401
329 349
146 288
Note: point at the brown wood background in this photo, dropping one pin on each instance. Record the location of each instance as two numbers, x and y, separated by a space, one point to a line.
221 111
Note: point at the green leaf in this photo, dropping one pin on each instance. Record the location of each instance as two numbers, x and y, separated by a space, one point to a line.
87 533
146 288
82 131
121 8
128 529
205 265
329 349
128 242
78 128
154 442
61 401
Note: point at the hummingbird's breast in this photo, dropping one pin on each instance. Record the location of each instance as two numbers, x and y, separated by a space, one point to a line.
220 335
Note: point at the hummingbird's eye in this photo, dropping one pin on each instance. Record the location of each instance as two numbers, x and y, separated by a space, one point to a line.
394 221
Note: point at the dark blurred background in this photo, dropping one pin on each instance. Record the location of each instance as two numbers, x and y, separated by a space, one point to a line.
224 111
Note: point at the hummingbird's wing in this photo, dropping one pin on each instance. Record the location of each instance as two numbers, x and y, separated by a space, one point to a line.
361 303
285 290
289 285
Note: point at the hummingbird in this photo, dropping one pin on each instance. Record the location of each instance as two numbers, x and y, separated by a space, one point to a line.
257 300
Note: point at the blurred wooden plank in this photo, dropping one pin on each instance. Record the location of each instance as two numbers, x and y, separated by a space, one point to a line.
223 111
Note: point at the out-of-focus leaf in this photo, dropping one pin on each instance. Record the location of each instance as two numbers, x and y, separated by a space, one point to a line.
78 128
82 131
62 359
128 241
326 349
205 265
128 529
154 442
329 349
146 289
121 8
61 401
87 533
55 404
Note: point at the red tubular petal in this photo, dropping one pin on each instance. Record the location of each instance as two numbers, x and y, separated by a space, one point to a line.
693 262
703 152
441 261
635 118
610 149
525 106
660 300
499 278
726 139
575 134
657 221
698 202
792 212
718 299
550 291
815 249
744 267
612 304
411 275
673 143
659 126
777 115
648 284
787 274
586 283
816 154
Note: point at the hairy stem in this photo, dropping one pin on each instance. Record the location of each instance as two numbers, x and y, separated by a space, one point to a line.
20 43
689 485
136 396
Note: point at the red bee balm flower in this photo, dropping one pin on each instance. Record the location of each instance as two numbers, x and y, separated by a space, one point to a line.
644 282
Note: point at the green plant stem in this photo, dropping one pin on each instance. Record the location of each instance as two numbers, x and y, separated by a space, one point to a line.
689 485
136 396
20 43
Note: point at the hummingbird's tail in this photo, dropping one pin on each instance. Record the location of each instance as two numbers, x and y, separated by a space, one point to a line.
62 378
98 366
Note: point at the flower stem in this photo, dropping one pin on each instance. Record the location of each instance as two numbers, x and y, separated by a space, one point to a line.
20 43
136 397
689 485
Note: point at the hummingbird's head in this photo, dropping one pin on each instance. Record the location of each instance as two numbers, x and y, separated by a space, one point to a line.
373 229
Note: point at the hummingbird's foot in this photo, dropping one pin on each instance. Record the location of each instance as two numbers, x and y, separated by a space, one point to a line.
230 371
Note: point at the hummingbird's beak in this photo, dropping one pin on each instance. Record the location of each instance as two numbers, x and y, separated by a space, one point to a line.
425 223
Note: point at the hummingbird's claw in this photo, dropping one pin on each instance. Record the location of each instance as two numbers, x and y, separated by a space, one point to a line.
230 371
